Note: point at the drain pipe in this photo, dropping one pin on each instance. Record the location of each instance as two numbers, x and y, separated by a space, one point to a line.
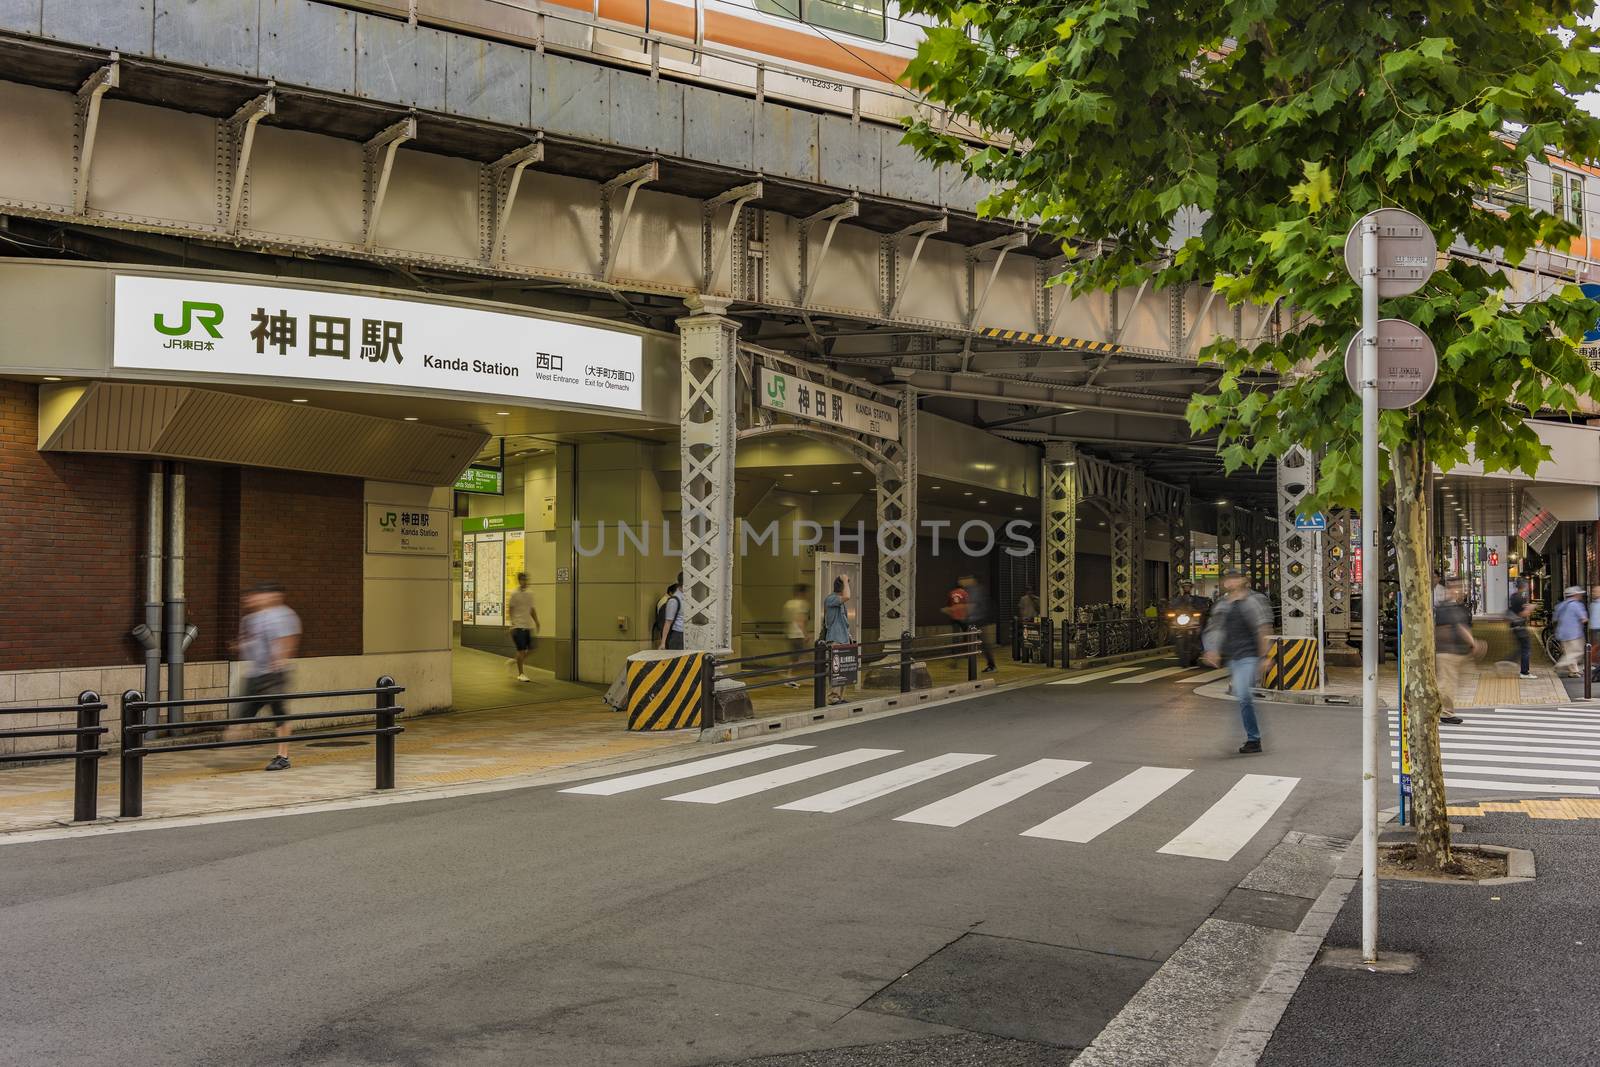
177 635
149 634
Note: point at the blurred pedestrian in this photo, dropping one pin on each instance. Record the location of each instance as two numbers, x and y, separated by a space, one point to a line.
1028 606
1238 634
1571 620
1518 609
524 620
1454 645
1594 623
979 615
269 637
796 624
836 632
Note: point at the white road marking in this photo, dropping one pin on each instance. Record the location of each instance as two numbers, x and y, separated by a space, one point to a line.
744 787
963 807
1507 715
1507 733
1484 757
1518 787
1095 676
1094 815
1514 746
1230 823
1209 676
1150 676
848 796
680 771
1453 767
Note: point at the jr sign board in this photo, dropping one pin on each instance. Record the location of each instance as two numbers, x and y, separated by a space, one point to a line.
777 391
258 331
397 530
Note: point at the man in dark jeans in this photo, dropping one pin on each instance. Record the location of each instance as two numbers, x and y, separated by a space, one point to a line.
1517 611
1238 634
979 614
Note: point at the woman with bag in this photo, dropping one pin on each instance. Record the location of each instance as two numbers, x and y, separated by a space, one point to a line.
836 631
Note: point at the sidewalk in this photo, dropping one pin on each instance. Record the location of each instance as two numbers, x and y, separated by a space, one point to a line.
570 726
1507 975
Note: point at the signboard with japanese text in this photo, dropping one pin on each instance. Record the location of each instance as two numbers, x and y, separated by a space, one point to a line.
490 481
513 521
260 331
398 530
804 399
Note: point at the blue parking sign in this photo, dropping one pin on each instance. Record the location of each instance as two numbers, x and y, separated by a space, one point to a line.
1592 291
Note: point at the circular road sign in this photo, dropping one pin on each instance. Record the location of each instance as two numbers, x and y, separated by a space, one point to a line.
1407 251
1407 363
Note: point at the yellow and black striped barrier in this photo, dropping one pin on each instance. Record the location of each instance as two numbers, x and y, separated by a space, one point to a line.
1049 340
1292 664
665 690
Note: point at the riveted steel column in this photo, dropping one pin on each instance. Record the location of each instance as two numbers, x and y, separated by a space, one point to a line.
708 353
897 528
1058 526
1297 549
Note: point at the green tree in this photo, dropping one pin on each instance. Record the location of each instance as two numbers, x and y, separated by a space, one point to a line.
1285 121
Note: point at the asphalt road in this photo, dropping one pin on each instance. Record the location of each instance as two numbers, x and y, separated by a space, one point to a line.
557 928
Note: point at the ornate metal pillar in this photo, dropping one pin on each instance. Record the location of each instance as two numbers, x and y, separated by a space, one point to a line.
1227 537
708 354
1297 549
1127 545
1180 544
1336 579
897 528
1058 526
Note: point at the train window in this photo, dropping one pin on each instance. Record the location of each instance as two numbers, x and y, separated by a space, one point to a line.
1558 194
1575 200
861 18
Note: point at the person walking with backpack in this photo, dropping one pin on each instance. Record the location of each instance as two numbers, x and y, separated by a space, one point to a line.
1239 634
1453 646
1518 609
668 628
978 616
836 630
1570 622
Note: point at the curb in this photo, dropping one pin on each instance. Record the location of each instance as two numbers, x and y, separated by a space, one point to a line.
1250 1035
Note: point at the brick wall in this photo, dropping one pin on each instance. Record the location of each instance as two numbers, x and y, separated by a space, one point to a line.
306 532
72 535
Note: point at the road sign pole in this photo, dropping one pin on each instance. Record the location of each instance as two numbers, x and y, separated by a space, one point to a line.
1371 610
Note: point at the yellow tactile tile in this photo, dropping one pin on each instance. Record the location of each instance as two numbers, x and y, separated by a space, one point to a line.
1568 808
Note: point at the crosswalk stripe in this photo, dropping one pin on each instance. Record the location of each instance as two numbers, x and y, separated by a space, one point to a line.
1094 815
758 783
1209 676
1518 787
1515 772
1537 761
960 808
1519 723
1094 676
1149 676
848 796
1482 727
1230 823
1502 715
1513 746
1590 710
677 772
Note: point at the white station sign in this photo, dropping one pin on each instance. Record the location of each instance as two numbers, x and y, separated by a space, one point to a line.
804 399
224 328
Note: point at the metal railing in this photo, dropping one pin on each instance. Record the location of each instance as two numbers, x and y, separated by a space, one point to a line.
823 663
137 722
86 752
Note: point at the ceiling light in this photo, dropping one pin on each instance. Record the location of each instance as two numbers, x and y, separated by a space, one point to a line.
814 490
299 400
411 418
1070 463
1102 524
838 483
858 472
1220 502
502 413
967 493
983 501
788 474
52 377
1019 507
935 487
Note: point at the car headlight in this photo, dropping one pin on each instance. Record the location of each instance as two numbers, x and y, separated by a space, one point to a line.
1183 620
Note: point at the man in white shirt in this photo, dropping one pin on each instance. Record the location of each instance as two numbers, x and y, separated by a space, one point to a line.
796 625
524 622
269 637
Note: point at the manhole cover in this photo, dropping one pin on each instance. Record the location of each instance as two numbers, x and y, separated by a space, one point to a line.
334 744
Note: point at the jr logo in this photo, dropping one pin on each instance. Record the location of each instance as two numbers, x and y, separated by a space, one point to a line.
387 522
775 388
206 314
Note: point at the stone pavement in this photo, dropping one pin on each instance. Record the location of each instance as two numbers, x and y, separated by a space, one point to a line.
1507 971
455 748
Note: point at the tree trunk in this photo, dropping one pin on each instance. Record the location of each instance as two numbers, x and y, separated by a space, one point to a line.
1408 462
